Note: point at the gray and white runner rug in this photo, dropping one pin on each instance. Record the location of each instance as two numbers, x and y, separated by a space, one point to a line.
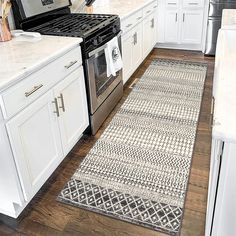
138 170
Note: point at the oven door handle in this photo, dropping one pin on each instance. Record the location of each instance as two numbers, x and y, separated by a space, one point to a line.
102 47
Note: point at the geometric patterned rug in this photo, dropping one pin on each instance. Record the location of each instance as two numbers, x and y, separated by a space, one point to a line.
139 168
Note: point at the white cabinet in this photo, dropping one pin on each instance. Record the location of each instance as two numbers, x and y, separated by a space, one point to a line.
180 24
72 104
139 37
35 141
127 51
148 34
138 46
39 126
171 26
192 26
132 46
43 133
221 207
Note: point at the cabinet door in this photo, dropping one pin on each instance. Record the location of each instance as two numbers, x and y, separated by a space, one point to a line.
171 26
127 49
35 140
192 27
148 34
138 46
73 111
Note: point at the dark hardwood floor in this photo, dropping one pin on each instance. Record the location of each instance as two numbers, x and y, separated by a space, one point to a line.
45 216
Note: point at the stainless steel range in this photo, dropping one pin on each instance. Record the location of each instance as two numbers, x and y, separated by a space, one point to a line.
53 17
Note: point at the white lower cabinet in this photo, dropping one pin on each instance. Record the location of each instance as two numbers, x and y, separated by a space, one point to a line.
192 26
127 49
139 38
149 34
132 46
42 134
171 28
180 24
35 140
137 54
73 112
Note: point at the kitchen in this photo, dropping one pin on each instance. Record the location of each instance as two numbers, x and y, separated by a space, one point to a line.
64 106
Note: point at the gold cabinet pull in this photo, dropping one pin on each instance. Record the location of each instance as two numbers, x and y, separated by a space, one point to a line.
35 88
56 106
71 64
62 102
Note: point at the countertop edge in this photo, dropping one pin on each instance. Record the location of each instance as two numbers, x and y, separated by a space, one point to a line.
136 9
38 65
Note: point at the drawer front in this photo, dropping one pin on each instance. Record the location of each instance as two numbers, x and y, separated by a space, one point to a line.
131 21
23 93
149 9
171 3
192 3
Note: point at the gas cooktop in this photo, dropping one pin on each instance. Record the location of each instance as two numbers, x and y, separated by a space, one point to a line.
76 25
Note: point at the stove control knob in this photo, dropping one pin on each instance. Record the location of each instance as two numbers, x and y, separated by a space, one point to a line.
99 39
95 42
114 30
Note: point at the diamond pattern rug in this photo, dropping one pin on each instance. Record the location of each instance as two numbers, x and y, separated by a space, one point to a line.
138 170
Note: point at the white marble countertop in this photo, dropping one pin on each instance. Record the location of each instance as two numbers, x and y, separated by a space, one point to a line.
20 58
224 86
229 17
123 8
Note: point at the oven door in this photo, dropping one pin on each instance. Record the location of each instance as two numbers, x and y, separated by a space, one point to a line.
99 85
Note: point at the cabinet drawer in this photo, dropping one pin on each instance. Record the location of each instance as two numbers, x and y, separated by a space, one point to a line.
192 3
23 93
172 3
131 21
149 9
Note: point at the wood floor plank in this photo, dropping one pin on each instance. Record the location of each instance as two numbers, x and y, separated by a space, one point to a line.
46 216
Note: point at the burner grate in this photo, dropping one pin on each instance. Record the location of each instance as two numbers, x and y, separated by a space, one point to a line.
76 25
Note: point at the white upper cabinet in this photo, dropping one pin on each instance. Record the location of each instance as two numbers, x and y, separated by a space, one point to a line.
192 26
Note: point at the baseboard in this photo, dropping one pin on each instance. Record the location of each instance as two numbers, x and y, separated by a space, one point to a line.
192 47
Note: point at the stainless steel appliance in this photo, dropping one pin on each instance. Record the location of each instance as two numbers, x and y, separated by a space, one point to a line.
214 22
53 17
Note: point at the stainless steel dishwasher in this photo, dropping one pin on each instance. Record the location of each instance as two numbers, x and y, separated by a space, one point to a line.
214 22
